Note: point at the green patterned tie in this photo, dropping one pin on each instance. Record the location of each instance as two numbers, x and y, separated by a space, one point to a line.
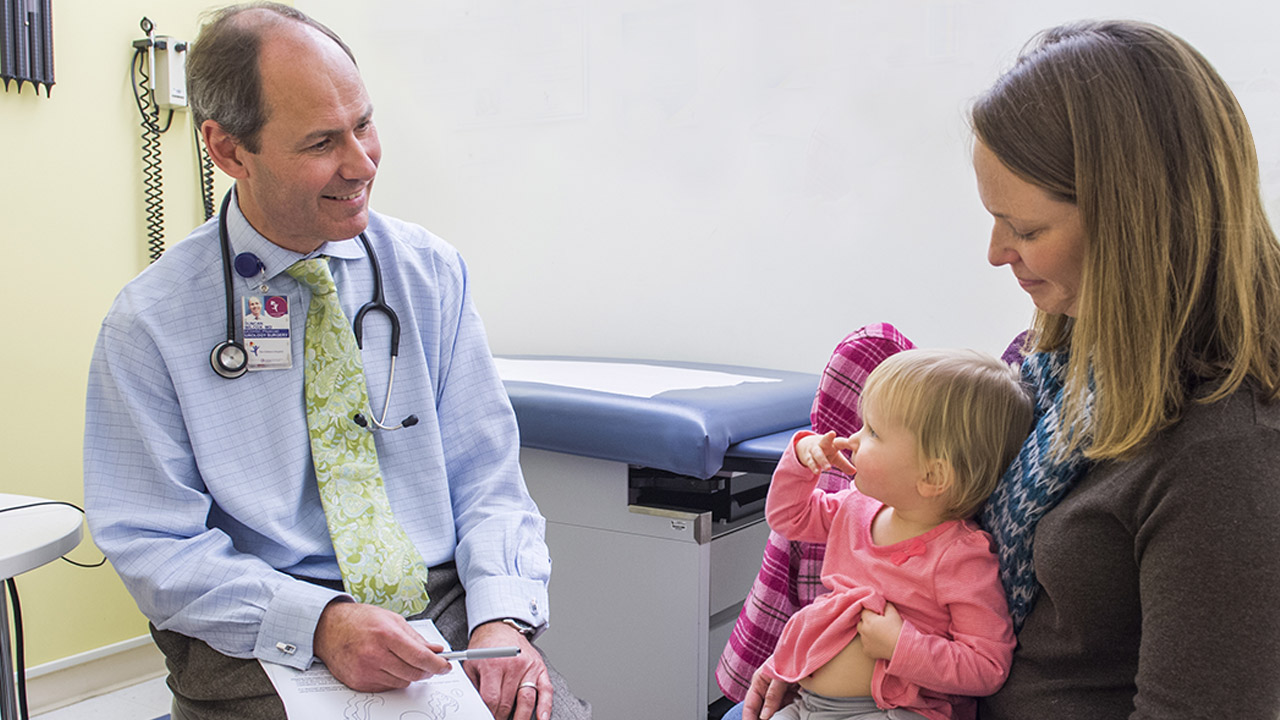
380 566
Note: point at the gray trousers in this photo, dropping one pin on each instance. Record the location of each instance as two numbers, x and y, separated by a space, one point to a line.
208 685
812 706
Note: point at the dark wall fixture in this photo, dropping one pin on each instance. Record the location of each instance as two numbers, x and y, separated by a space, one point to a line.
27 52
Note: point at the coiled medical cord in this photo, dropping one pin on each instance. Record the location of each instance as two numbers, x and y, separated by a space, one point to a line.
153 179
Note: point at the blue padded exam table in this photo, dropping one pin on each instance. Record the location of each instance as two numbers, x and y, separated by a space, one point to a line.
654 507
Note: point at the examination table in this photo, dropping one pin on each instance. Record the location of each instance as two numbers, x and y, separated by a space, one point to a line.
652 477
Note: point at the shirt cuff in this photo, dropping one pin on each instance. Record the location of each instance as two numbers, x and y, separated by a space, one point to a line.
908 660
496 597
288 629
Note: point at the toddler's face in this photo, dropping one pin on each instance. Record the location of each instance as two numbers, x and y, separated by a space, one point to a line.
887 458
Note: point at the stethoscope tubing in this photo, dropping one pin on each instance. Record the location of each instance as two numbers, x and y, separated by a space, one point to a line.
224 356
226 267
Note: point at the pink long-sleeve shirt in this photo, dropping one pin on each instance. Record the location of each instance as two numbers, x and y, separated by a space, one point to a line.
957 639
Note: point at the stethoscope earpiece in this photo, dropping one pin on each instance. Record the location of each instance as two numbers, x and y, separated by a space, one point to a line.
229 359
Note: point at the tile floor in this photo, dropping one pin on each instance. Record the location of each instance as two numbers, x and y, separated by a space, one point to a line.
144 701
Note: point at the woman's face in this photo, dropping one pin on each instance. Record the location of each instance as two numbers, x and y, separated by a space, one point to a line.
1040 237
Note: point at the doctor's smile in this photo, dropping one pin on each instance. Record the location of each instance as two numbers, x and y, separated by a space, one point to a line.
354 196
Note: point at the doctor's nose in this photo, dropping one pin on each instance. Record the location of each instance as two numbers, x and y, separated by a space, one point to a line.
360 161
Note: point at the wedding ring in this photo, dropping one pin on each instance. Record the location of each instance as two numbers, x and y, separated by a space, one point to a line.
529 685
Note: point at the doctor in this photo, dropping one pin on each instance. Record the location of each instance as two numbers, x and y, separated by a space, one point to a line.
202 490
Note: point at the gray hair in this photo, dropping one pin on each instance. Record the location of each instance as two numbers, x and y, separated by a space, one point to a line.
223 82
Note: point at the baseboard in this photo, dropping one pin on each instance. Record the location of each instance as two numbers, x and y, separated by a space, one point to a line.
89 674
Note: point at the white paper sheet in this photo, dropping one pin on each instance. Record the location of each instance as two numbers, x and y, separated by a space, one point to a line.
634 379
315 694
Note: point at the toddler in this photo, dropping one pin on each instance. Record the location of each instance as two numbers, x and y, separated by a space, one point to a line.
915 623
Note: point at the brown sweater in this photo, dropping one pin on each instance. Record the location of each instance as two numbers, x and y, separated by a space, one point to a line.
1160 580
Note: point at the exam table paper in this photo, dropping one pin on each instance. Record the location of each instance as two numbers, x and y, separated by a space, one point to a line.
634 379
314 694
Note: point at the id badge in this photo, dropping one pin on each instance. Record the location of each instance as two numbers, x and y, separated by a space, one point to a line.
266 332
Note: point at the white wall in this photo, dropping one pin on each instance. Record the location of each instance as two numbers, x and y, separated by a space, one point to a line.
734 181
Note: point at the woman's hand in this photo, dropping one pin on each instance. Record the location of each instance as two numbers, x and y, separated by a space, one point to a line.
880 632
821 452
765 696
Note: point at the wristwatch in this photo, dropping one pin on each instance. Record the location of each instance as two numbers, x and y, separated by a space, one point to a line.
519 626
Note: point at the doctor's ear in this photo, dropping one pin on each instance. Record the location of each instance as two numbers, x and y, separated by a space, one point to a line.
224 149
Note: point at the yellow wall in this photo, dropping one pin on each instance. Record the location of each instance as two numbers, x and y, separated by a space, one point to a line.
73 227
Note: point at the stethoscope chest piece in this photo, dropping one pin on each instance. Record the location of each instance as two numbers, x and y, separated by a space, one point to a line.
229 359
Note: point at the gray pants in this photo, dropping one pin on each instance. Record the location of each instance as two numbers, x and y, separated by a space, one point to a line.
812 706
208 685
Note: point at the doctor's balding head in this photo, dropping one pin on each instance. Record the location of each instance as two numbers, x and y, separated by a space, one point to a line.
283 110
223 79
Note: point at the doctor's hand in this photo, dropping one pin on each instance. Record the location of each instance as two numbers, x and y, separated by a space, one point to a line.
518 687
765 696
820 452
370 649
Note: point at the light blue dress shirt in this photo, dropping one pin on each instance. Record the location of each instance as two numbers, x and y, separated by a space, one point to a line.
200 489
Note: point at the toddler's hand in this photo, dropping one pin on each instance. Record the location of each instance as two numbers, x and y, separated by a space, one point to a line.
820 452
880 633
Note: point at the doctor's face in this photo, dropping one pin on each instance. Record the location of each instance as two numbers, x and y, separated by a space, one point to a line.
310 180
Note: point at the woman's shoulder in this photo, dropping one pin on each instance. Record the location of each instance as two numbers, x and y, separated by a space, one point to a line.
1219 459
1245 413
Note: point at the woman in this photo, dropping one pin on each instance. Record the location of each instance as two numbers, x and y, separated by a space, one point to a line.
1124 184
1123 180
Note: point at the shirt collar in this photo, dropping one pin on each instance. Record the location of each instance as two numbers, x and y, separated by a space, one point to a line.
275 259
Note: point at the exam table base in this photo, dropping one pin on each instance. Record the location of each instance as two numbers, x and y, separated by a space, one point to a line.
642 600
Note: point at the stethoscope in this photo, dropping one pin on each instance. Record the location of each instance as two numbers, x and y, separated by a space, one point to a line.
229 358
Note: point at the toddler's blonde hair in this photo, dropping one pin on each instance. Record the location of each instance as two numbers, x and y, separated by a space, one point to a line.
965 408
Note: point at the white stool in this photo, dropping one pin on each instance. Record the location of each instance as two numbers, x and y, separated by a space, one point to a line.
29 538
